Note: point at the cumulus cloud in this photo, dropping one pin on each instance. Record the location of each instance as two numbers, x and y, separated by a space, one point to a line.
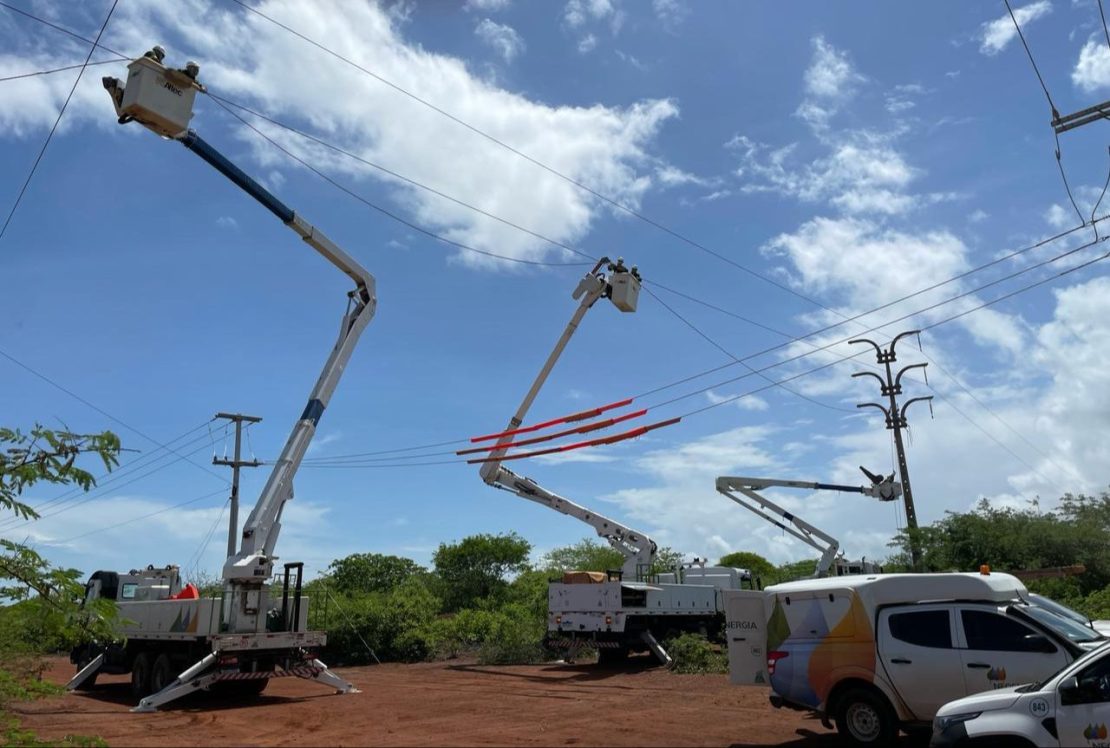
268 68
670 13
1092 69
995 36
501 37
580 12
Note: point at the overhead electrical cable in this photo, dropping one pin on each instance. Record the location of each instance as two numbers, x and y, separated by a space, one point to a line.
105 413
53 129
144 460
60 70
117 525
94 495
386 212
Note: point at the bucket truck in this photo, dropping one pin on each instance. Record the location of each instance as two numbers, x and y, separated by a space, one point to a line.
832 561
173 641
617 611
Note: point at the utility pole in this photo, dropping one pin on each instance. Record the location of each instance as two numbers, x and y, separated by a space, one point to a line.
891 387
233 521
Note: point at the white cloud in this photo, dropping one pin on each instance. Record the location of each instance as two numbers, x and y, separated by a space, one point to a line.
864 177
751 402
670 13
1056 216
603 147
1092 69
501 37
487 6
672 176
227 222
830 74
580 12
978 216
995 35
587 43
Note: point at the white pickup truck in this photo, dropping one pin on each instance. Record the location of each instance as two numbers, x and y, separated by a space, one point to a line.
1071 708
876 653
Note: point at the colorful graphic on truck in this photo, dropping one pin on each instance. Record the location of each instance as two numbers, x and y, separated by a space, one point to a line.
814 641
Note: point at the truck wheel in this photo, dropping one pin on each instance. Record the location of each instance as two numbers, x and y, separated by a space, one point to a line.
864 717
162 674
140 676
86 657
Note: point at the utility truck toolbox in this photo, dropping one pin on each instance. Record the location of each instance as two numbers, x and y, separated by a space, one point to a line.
877 653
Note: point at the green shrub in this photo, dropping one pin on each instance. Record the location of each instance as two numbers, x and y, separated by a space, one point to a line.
694 654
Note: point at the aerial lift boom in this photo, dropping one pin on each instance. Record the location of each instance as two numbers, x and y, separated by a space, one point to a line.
161 100
882 488
621 286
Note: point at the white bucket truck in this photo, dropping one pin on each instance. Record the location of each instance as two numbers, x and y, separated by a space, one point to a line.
876 653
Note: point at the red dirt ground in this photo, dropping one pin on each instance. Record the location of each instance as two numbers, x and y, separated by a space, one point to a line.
452 703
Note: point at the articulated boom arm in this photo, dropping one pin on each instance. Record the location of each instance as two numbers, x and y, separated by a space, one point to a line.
882 488
638 549
161 99
798 527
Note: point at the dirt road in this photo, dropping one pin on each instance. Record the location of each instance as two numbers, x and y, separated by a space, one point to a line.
445 704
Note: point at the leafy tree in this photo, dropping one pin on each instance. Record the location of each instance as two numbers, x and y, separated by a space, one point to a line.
371 572
26 459
666 559
585 555
48 456
476 567
753 562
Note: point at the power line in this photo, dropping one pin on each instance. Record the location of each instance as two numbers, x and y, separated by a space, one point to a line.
386 212
103 412
101 494
1032 62
139 519
110 477
1105 30
62 29
61 70
735 358
61 113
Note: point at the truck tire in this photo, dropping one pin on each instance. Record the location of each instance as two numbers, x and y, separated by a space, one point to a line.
162 674
85 658
864 717
140 675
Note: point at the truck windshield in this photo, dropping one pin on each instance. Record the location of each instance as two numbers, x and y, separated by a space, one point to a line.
1067 627
1061 610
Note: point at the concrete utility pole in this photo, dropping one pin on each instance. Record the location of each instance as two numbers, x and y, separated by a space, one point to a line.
891 387
233 520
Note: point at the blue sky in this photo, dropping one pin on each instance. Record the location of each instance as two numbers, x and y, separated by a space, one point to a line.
852 153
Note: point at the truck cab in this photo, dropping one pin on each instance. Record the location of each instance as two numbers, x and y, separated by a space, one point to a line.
879 653
1071 707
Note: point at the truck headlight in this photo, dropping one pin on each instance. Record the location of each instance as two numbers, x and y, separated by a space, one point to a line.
940 724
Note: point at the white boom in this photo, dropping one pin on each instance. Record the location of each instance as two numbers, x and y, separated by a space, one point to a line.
168 627
637 548
882 488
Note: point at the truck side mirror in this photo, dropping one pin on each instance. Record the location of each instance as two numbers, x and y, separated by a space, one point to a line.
1039 643
1069 691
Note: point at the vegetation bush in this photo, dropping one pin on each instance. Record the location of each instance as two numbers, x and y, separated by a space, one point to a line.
694 654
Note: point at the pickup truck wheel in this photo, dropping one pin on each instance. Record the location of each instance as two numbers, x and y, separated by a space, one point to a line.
864 717
162 674
140 676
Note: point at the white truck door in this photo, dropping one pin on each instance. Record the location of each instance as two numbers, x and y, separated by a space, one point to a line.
746 630
1000 651
1083 714
917 650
